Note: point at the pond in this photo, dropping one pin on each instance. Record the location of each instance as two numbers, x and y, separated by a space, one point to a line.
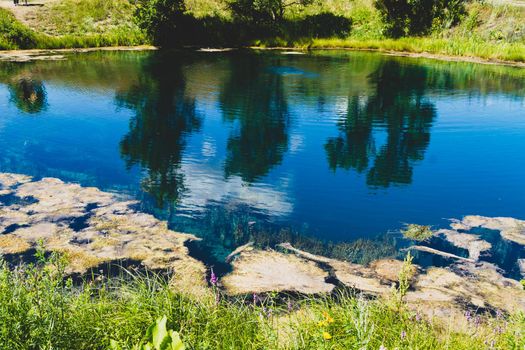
236 146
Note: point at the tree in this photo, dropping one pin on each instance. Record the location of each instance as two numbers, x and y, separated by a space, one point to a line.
164 21
415 17
263 12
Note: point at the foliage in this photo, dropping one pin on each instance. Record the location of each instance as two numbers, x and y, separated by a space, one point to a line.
417 232
13 34
42 309
415 17
157 338
86 17
163 20
263 12
405 277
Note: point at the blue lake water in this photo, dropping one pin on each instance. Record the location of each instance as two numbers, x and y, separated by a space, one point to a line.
335 146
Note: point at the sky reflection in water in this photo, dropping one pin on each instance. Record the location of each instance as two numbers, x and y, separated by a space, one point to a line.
334 145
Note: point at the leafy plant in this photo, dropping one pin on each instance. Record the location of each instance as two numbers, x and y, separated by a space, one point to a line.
417 232
157 337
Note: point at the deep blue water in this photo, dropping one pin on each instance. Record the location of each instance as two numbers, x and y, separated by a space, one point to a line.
336 146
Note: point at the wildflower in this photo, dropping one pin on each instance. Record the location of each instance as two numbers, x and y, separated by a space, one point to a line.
321 323
327 336
290 306
418 317
327 317
382 347
499 314
403 335
255 299
477 321
468 316
213 278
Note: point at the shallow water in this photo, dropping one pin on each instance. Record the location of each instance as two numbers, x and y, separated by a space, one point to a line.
238 145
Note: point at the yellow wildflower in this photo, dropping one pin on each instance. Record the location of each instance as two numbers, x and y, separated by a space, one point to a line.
321 323
327 336
327 317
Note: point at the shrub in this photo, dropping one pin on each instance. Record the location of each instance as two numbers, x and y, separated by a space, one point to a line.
416 17
326 25
14 35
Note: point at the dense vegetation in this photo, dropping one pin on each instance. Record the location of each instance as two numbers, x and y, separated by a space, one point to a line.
42 310
447 27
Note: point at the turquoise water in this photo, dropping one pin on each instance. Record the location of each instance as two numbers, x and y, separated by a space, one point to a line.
236 146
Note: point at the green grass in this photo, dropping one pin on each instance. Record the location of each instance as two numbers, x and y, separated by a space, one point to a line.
461 47
488 32
86 17
41 310
82 24
13 34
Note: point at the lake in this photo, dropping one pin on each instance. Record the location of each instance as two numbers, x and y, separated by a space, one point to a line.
244 145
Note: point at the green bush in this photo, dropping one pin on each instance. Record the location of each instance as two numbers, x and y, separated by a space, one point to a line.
14 35
418 17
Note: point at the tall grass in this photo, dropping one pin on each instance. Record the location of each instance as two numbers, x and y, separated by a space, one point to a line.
457 46
40 309
14 34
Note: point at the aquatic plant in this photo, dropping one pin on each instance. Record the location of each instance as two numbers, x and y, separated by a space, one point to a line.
417 232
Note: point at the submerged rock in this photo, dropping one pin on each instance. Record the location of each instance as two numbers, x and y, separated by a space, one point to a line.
91 227
510 229
470 242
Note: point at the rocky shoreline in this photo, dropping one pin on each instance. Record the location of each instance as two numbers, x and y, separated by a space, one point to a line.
91 227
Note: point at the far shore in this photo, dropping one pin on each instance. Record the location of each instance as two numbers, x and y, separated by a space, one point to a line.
44 54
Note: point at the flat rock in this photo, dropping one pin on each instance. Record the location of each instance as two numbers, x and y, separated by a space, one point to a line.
473 243
259 271
109 229
510 228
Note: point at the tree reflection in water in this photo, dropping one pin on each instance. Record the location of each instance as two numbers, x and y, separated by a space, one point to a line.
164 117
398 105
28 95
255 98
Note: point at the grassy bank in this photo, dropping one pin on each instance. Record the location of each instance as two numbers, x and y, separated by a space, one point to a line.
460 47
489 32
70 24
40 309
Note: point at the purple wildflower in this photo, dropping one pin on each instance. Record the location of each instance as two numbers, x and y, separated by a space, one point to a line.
255 299
499 314
418 317
403 335
477 321
468 316
213 278
290 306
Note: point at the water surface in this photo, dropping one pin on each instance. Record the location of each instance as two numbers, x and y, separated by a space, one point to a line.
335 146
